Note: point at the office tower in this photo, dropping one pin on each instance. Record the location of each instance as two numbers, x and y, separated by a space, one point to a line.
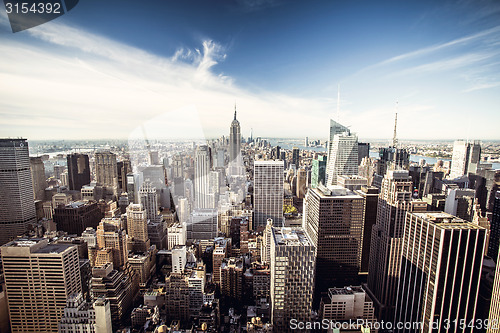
179 258
441 262
177 235
144 265
202 224
183 209
149 201
333 220
301 183
347 303
115 287
385 253
292 277
177 297
494 316
234 140
231 271
306 142
39 278
370 197
153 158
342 153
157 235
134 180
123 167
203 166
295 157
268 192
111 236
75 217
465 159
17 207
265 251
494 242
318 171
83 317
363 151
78 171
137 227
58 171
90 237
38 178
392 158
106 169
460 203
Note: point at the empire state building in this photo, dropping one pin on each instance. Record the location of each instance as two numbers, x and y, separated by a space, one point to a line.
234 139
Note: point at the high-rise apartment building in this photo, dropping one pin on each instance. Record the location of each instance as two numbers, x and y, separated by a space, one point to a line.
234 140
292 277
17 207
38 178
465 158
441 261
78 171
231 271
137 227
387 233
342 153
106 169
268 192
203 165
39 277
333 220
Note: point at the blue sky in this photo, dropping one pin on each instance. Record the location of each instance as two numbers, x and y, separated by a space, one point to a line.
107 68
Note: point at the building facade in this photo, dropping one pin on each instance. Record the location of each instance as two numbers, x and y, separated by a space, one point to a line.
268 192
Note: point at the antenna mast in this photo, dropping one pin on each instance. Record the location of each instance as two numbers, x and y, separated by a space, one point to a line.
338 103
395 138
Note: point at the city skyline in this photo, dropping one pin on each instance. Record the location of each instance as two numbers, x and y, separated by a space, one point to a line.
281 62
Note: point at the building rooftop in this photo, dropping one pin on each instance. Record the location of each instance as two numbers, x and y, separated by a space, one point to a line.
334 191
291 237
447 221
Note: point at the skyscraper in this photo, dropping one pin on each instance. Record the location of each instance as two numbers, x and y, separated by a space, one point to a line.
17 207
333 220
342 153
385 253
137 227
295 157
292 277
268 192
149 201
494 243
370 196
78 171
318 171
203 166
39 278
441 263
494 316
106 169
38 178
234 139
465 158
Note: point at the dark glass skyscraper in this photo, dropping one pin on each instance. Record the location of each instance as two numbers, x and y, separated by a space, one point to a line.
78 171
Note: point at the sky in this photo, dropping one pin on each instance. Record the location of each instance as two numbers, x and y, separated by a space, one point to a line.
176 69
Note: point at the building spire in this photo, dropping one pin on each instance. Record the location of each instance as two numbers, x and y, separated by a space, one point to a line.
395 138
234 110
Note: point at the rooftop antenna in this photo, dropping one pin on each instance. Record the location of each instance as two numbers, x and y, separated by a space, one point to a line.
338 103
395 138
234 110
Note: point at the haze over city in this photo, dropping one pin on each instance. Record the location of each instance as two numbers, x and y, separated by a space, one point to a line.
104 69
